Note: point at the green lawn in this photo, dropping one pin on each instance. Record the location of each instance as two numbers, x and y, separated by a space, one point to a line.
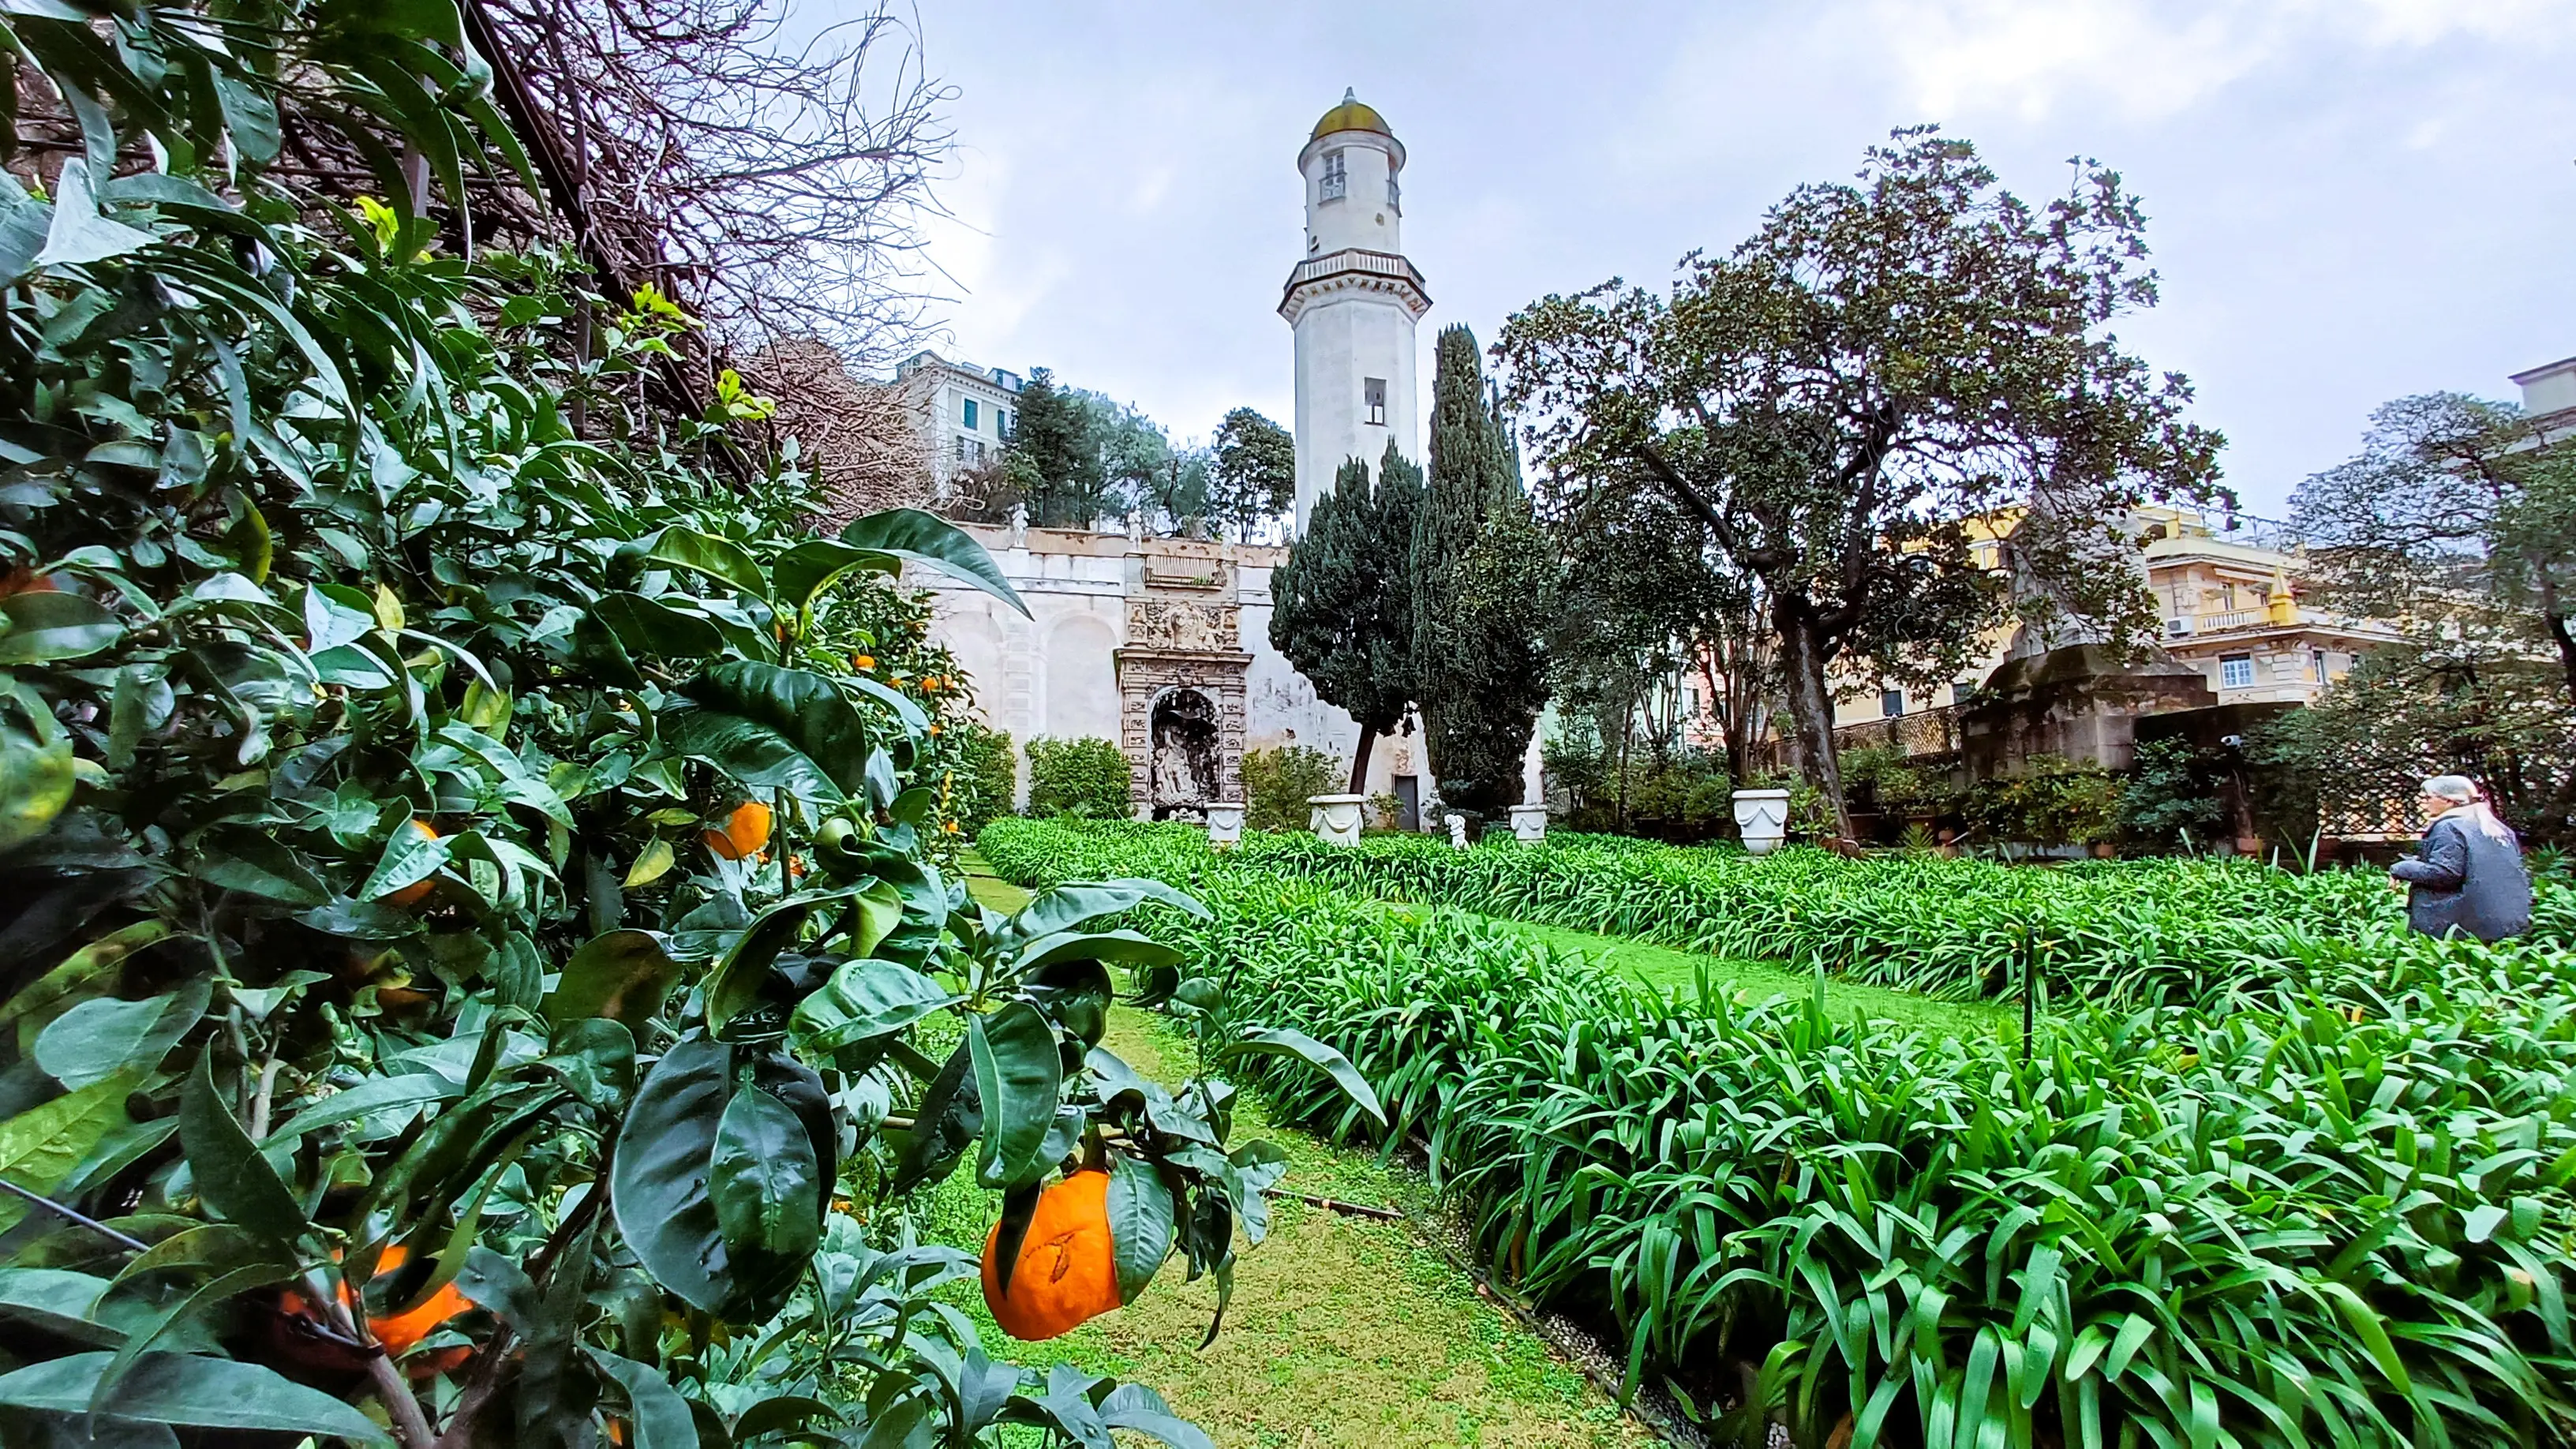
989 889
1343 1330
1664 969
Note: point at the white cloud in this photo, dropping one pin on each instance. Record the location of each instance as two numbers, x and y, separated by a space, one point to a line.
2150 58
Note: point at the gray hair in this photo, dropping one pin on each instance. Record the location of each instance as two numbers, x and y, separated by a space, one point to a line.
2452 787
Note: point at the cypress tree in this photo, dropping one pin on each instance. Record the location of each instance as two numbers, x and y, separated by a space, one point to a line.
1341 603
1481 581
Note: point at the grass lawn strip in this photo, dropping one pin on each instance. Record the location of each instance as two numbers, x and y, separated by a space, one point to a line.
1664 969
1343 1330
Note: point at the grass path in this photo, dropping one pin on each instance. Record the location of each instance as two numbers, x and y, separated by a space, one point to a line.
1343 1331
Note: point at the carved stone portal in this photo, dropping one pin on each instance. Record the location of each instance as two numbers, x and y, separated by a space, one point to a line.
1181 706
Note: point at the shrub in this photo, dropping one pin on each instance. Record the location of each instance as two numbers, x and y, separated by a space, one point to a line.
985 778
1666 792
2055 802
1085 778
1276 783
2169 791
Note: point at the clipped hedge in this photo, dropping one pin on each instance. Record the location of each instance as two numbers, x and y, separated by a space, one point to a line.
1086 778
2338 1214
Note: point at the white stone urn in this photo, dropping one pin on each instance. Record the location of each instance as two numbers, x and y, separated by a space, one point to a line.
1529 823
1336 818
1763 816
1457 831
1224 822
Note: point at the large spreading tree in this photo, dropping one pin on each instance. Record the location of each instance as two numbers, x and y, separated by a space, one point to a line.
1842 399
1342 601
2457 517
1482 581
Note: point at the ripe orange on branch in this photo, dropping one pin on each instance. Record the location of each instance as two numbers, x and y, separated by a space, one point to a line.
743 832
1067 1273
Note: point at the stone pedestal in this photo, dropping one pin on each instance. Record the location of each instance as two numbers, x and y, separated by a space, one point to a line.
1225 823
1336 818
1529 822
1763 817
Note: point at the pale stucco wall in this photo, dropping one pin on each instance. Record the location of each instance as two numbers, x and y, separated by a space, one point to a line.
1341 342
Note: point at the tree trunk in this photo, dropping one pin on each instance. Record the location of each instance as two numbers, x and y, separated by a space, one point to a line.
1360 757
1811 709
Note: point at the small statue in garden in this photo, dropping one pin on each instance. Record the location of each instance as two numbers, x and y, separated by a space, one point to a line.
1457 832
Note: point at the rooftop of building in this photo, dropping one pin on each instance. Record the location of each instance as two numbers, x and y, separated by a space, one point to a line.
1002 378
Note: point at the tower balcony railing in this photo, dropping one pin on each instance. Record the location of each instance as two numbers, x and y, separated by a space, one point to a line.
1354 259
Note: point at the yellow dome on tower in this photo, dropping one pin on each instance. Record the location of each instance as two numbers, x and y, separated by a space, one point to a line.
1351 115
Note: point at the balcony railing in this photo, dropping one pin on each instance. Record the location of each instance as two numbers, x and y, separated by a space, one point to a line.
2191 626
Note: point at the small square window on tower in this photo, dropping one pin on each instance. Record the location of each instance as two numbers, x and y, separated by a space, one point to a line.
1373 397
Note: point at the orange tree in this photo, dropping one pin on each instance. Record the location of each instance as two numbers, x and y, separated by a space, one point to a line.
390 1051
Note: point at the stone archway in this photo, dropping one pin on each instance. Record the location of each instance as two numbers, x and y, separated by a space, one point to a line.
1186 754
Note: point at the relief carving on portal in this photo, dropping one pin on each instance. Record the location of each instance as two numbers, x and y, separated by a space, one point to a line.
1182 624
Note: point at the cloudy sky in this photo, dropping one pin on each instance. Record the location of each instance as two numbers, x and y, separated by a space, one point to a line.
2350 201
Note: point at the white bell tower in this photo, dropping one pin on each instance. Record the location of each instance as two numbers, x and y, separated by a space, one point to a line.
1353 302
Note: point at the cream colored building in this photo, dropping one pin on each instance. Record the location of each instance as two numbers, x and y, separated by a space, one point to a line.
2227 598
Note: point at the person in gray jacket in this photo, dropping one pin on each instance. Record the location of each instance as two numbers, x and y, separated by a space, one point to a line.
2468 877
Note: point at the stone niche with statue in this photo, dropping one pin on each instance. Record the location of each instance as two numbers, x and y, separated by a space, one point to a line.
1181 689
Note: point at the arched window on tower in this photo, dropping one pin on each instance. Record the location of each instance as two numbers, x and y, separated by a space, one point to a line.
1336 180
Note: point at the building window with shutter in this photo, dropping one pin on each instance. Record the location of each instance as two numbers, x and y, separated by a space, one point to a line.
2317 665
1373 397
970 415
2235 671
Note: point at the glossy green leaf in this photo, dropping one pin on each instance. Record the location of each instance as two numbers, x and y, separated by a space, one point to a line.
645 626
40 1146
623 975
661 1417
1296 1045
1140 1222
408 858
1019 1078
94 966
866 1001
766 1181
191 1392
104 1037
1129 947
658 1180
49 626
808 568
231 1175
926 539
717 558
767 726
